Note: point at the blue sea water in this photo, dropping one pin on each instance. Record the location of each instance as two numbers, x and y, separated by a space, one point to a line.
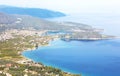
91 58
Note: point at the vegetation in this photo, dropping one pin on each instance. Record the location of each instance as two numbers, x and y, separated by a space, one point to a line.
9 57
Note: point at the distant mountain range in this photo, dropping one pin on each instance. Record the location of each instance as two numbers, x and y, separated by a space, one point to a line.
35 12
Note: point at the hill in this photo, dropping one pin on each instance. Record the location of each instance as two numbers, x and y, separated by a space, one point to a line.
25 22
36 12
6 19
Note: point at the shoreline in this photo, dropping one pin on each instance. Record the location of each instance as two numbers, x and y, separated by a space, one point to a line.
63 69
29 59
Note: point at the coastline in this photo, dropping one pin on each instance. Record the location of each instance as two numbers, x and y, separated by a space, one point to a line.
40 63
47 64
26 59
65 70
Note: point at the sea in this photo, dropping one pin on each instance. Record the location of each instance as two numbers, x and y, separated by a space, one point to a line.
89 58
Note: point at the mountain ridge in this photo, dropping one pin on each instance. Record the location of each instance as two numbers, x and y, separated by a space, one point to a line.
35 12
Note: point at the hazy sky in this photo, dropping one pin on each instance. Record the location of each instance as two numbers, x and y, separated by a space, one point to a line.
69 6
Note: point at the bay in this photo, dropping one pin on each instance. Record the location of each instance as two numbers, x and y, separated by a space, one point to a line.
89 58
93 58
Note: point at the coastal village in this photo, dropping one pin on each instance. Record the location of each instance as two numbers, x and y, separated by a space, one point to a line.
12 63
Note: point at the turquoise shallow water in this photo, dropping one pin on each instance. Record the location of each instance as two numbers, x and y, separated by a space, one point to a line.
92 58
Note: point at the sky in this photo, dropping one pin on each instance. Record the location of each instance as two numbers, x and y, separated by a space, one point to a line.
69 6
